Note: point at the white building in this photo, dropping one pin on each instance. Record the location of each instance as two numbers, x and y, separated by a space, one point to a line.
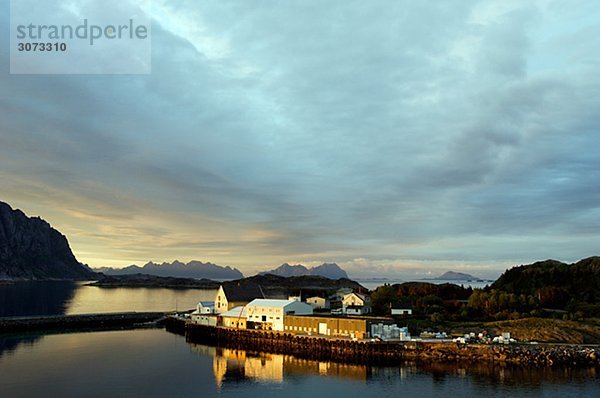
269 314
203 314
356 304
205 307
318 302
203 319
401 311
356 310
235 295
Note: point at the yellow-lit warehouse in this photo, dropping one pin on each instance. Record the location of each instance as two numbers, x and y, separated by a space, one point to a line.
329 326
234 318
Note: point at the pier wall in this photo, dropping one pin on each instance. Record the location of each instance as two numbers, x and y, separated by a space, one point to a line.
383 353
74 322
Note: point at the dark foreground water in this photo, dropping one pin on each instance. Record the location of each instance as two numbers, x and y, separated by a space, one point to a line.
155 363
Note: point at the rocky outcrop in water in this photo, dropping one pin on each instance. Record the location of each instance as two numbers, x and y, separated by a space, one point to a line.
31 249
456 276
151 281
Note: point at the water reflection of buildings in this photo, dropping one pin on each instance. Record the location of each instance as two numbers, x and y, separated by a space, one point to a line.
232 366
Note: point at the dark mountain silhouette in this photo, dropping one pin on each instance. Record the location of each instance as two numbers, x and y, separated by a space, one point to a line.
577 281
275 286
177 269
327 270
287 270
31 249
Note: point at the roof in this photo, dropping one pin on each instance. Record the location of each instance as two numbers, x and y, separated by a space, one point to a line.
207 303
242 293
270 303
236 312
361 296
352 317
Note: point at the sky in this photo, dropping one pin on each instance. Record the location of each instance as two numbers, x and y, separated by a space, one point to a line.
396 138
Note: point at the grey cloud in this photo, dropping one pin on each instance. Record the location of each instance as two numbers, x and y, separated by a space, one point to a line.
340 130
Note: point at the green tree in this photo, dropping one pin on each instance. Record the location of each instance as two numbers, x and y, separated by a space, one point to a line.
383 298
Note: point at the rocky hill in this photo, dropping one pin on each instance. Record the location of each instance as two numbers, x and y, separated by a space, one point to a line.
31 249
563 281
275 286
177 269
327 270
456 276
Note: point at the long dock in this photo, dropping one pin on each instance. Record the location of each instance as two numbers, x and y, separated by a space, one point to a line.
80 322
381 353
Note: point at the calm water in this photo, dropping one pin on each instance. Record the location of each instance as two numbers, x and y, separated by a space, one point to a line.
55 298
155 363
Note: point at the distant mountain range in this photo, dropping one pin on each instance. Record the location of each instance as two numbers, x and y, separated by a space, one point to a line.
31 249
193 269
456 276
328 270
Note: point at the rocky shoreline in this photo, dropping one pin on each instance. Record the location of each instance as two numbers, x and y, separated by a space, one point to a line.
527 355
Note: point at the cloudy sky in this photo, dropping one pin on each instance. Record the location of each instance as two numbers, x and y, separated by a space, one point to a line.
396 138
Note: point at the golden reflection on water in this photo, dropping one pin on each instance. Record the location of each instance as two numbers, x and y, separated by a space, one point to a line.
232 366
91 299
235 365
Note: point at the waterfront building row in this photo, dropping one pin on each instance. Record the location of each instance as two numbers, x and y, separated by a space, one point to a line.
297 318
